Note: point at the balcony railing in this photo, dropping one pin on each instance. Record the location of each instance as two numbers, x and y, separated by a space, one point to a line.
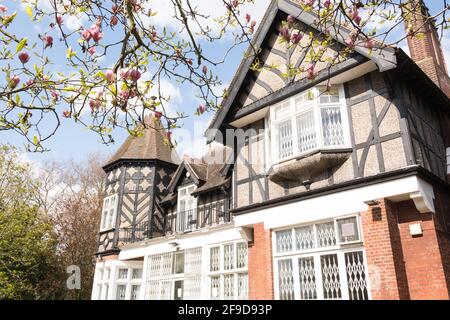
136 233
179 222
203 216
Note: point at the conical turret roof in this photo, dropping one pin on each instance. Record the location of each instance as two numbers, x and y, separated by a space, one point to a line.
149 146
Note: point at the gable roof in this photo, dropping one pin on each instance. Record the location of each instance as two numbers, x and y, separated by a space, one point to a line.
149 146
385 58
207 173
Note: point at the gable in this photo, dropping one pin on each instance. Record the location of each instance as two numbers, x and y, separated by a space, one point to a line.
248 87
283 63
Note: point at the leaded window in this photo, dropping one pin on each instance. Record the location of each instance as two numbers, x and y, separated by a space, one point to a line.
309 121
228 276
326 261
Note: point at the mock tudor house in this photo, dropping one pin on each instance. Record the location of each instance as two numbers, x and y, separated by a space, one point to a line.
339 189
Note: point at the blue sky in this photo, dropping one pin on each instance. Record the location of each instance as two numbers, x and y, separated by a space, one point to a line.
74 141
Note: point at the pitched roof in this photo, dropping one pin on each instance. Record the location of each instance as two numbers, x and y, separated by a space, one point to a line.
149 146
385 58
209 172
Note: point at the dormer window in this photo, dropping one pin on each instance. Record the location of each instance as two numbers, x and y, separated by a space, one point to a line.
310 121
109 213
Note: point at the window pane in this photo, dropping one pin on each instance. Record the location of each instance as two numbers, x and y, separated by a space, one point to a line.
330 277
306 132
283 110
332 128
356 276
286 279
137 274
111 219
121 292
214 263
99 292
228 286
348 230
328 96
304 238
178 262
283 132
135 292
228 256
326 235
215 287
123 273
106 286
284 240
242 286
108 273
307 278
241 254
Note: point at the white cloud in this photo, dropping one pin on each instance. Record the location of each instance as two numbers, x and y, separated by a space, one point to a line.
210 8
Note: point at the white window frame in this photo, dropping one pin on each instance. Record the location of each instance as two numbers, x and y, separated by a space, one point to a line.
187 226
221 273
340 249
102 283
128 282
291 115
108 205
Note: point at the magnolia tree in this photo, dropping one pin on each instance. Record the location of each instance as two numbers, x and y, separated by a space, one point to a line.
108 72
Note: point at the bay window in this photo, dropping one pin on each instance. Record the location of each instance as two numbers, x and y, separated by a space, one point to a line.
323 260
109 212
313 120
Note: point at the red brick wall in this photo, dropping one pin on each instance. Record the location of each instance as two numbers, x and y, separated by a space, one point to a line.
423 260
260 266
383 251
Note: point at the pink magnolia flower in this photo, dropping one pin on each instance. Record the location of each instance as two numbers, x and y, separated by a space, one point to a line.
290 20
91 50
135 74
110 76
248 17
355 16
86 34
59 19
235 3
369 43
67 114
309 2
130 74
95 33
157 115
3 8
327 3
115 8
55 95
29 82
310 71
48 41
296 37
349 42
114 21
14 81
252 24
205 69
24 57
201 109
284 33
154 36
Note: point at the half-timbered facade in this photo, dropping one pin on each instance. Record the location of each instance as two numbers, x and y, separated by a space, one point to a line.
332 187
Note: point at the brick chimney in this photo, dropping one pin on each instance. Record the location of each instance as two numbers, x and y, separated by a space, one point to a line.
424 45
